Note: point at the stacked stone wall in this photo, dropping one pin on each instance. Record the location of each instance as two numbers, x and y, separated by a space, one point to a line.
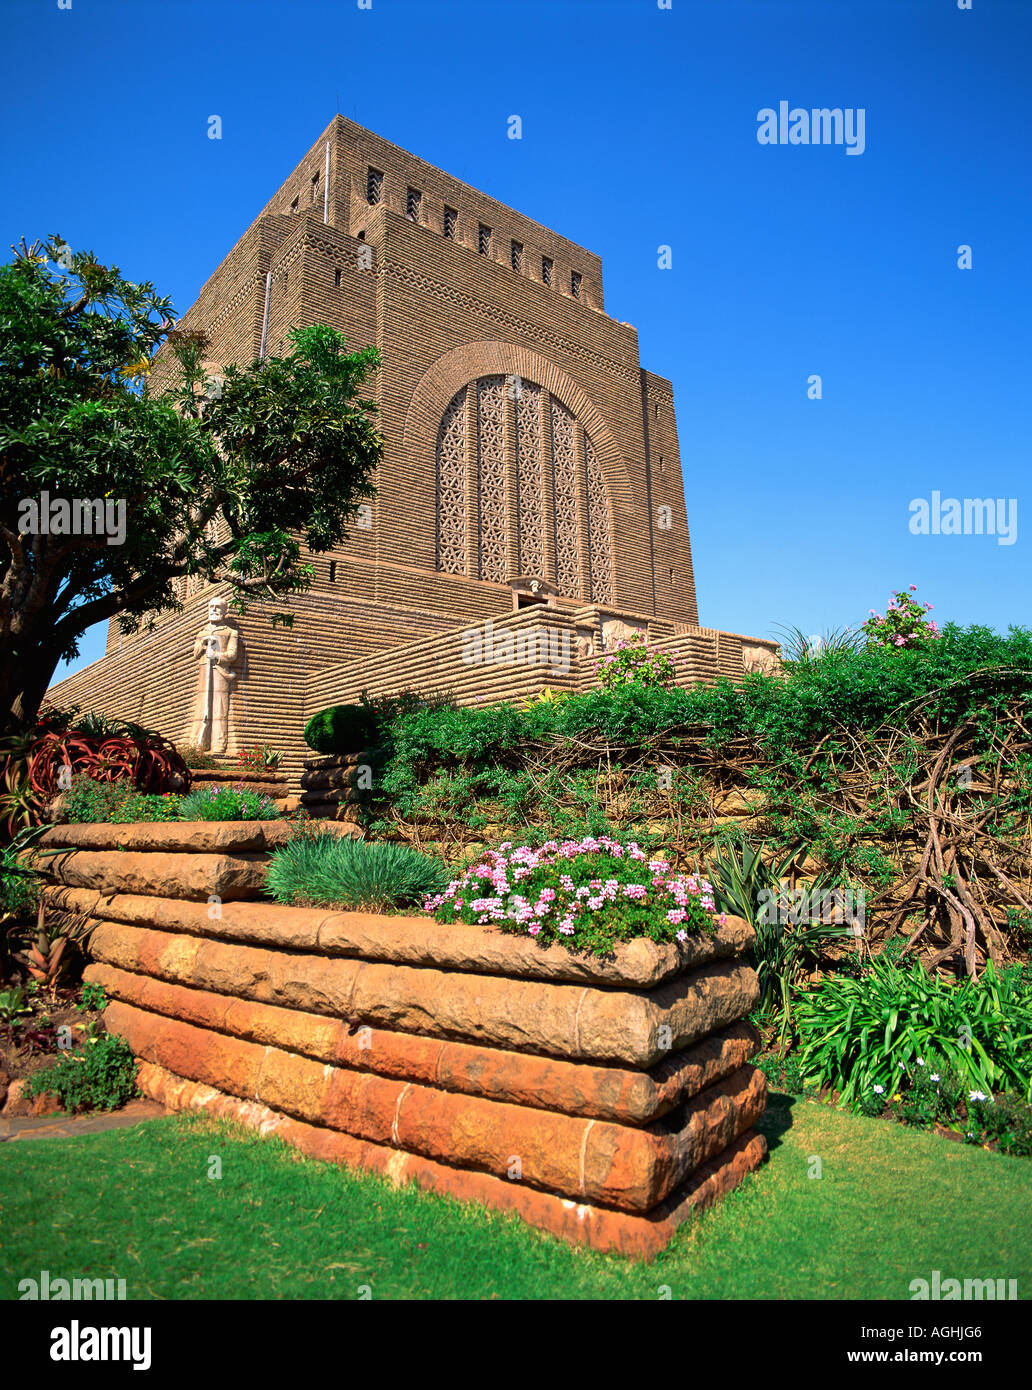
603 1100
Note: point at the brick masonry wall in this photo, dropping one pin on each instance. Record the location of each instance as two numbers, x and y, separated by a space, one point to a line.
442 315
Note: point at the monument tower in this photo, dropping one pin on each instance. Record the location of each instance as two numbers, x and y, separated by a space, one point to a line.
530 461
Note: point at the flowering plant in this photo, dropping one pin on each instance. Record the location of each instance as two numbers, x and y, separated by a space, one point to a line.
587 894
903 624
630 662
260 758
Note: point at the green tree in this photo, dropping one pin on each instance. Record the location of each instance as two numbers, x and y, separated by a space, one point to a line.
226 482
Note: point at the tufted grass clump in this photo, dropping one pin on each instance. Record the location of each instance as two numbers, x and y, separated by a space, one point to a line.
338 871
226 803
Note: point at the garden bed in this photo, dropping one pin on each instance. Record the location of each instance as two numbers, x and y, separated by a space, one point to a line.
180 859
603 1099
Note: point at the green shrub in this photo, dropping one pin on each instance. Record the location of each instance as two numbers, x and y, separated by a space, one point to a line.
932 1094
971 673
93 997
746 886
584 894
357 728
874 1031
117 803
339 871
197 757
14 1003
1005 1120
340 729
226 803
18 884
100 1075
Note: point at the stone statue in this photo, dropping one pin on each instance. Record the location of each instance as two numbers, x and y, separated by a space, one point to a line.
220 650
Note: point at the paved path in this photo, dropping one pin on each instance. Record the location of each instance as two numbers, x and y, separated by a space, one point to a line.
67 1126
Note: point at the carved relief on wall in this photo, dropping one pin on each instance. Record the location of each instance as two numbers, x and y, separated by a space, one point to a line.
617 630
761 659
585 643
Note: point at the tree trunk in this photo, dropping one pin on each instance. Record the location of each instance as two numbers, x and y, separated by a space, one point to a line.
24 683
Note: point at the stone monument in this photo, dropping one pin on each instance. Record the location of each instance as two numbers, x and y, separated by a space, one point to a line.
220 650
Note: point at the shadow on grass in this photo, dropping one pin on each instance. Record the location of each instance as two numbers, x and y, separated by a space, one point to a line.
777 1118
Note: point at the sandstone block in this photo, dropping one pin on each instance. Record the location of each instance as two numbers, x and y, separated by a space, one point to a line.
558 1020
175 837
575 1088
420 941
155 874
611 1165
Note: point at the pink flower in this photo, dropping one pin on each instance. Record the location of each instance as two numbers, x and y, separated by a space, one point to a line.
913 587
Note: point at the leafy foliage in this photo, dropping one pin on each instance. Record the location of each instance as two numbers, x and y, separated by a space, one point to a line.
117 803
748 886
857 1034
801 648
100 1075
226 486
338 871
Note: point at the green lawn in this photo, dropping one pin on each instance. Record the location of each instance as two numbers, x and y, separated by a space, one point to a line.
891 1206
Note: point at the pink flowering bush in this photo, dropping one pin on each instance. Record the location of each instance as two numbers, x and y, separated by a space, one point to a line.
630 662
903 624
587 894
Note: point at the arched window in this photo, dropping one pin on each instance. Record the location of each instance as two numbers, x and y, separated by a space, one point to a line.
509 451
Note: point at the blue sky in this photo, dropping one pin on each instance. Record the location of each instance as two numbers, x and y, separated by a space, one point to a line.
639 131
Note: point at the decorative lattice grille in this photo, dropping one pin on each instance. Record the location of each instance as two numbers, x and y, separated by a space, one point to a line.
566 549
598 528
491 461
528 477
451 488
